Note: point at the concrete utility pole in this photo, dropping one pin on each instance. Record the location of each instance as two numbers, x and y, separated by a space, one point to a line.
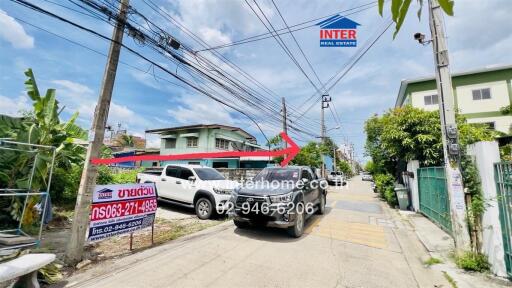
325 104
451 147
334 159
285 126
96 135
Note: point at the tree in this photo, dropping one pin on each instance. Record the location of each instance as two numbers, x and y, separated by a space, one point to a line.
309 155
408 133
345 167
399 9
40 126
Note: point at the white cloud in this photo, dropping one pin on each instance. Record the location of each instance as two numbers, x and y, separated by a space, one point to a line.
81 98
200 112
13 32
215 21
12 106
213 36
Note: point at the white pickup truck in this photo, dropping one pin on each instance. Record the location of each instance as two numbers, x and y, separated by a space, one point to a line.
194 186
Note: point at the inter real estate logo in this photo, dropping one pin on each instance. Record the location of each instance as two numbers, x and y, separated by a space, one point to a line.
338 31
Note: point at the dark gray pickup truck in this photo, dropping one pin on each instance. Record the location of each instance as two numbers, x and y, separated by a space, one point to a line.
282 197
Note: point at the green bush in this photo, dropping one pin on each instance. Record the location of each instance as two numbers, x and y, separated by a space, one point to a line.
385 184
472 261
125 176
105 176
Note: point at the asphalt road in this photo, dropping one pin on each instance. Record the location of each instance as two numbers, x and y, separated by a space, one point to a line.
358 243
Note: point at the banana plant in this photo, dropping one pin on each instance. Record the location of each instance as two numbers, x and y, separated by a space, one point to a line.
40 126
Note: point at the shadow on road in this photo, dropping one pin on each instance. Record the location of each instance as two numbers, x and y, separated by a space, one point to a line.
270 234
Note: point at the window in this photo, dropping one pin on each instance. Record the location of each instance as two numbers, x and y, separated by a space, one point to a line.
185 173
482 94
305 174
431 100
171 171
220 165
194 163
191 142
490 125
170 143
208 174
221 144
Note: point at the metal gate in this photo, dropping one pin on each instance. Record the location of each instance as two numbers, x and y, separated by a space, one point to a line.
434 201
503 177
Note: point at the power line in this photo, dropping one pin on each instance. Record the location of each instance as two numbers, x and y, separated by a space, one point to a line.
46 12
296 42
279 40
283 30
346 70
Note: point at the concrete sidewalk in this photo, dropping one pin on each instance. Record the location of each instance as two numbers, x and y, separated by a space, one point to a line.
359 242
440 245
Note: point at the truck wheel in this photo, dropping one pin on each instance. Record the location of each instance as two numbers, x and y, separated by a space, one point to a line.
298 227
321 205
204 208
241 224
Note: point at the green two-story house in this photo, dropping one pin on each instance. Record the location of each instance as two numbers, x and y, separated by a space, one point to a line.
479 95
210 138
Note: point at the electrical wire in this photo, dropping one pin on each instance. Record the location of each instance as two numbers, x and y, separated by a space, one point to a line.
283 30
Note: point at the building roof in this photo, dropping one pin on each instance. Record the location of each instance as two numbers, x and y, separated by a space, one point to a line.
404 83
200 126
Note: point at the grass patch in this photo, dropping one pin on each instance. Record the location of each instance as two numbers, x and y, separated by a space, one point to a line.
432 261
450 280
471 261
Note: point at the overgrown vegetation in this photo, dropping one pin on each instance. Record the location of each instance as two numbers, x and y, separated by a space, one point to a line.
408 133
472 261
385 184
450 280
43 126
432 261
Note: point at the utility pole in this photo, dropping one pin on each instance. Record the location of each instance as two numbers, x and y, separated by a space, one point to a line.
449 131
285 126
96 135
334 150
325 104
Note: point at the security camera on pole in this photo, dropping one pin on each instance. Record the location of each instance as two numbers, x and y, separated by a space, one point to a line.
449 131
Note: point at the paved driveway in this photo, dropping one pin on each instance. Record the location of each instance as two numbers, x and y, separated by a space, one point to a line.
358 243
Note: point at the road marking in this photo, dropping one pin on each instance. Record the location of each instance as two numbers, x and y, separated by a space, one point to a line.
313 224
358 233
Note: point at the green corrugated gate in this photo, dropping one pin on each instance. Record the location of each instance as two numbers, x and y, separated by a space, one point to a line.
503 177
434 201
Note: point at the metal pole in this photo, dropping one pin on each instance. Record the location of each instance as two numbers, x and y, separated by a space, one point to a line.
43 215
449 129
96 135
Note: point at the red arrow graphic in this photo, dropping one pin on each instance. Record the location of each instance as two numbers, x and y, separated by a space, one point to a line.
290 153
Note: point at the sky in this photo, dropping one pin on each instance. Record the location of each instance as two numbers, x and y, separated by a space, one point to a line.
479 35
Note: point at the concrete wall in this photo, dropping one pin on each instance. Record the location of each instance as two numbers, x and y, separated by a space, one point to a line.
485 155
239 174
499 97
418 100
501 123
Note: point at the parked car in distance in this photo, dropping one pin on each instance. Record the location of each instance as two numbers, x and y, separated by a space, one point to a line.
293 194
336 178
195 186
367 177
